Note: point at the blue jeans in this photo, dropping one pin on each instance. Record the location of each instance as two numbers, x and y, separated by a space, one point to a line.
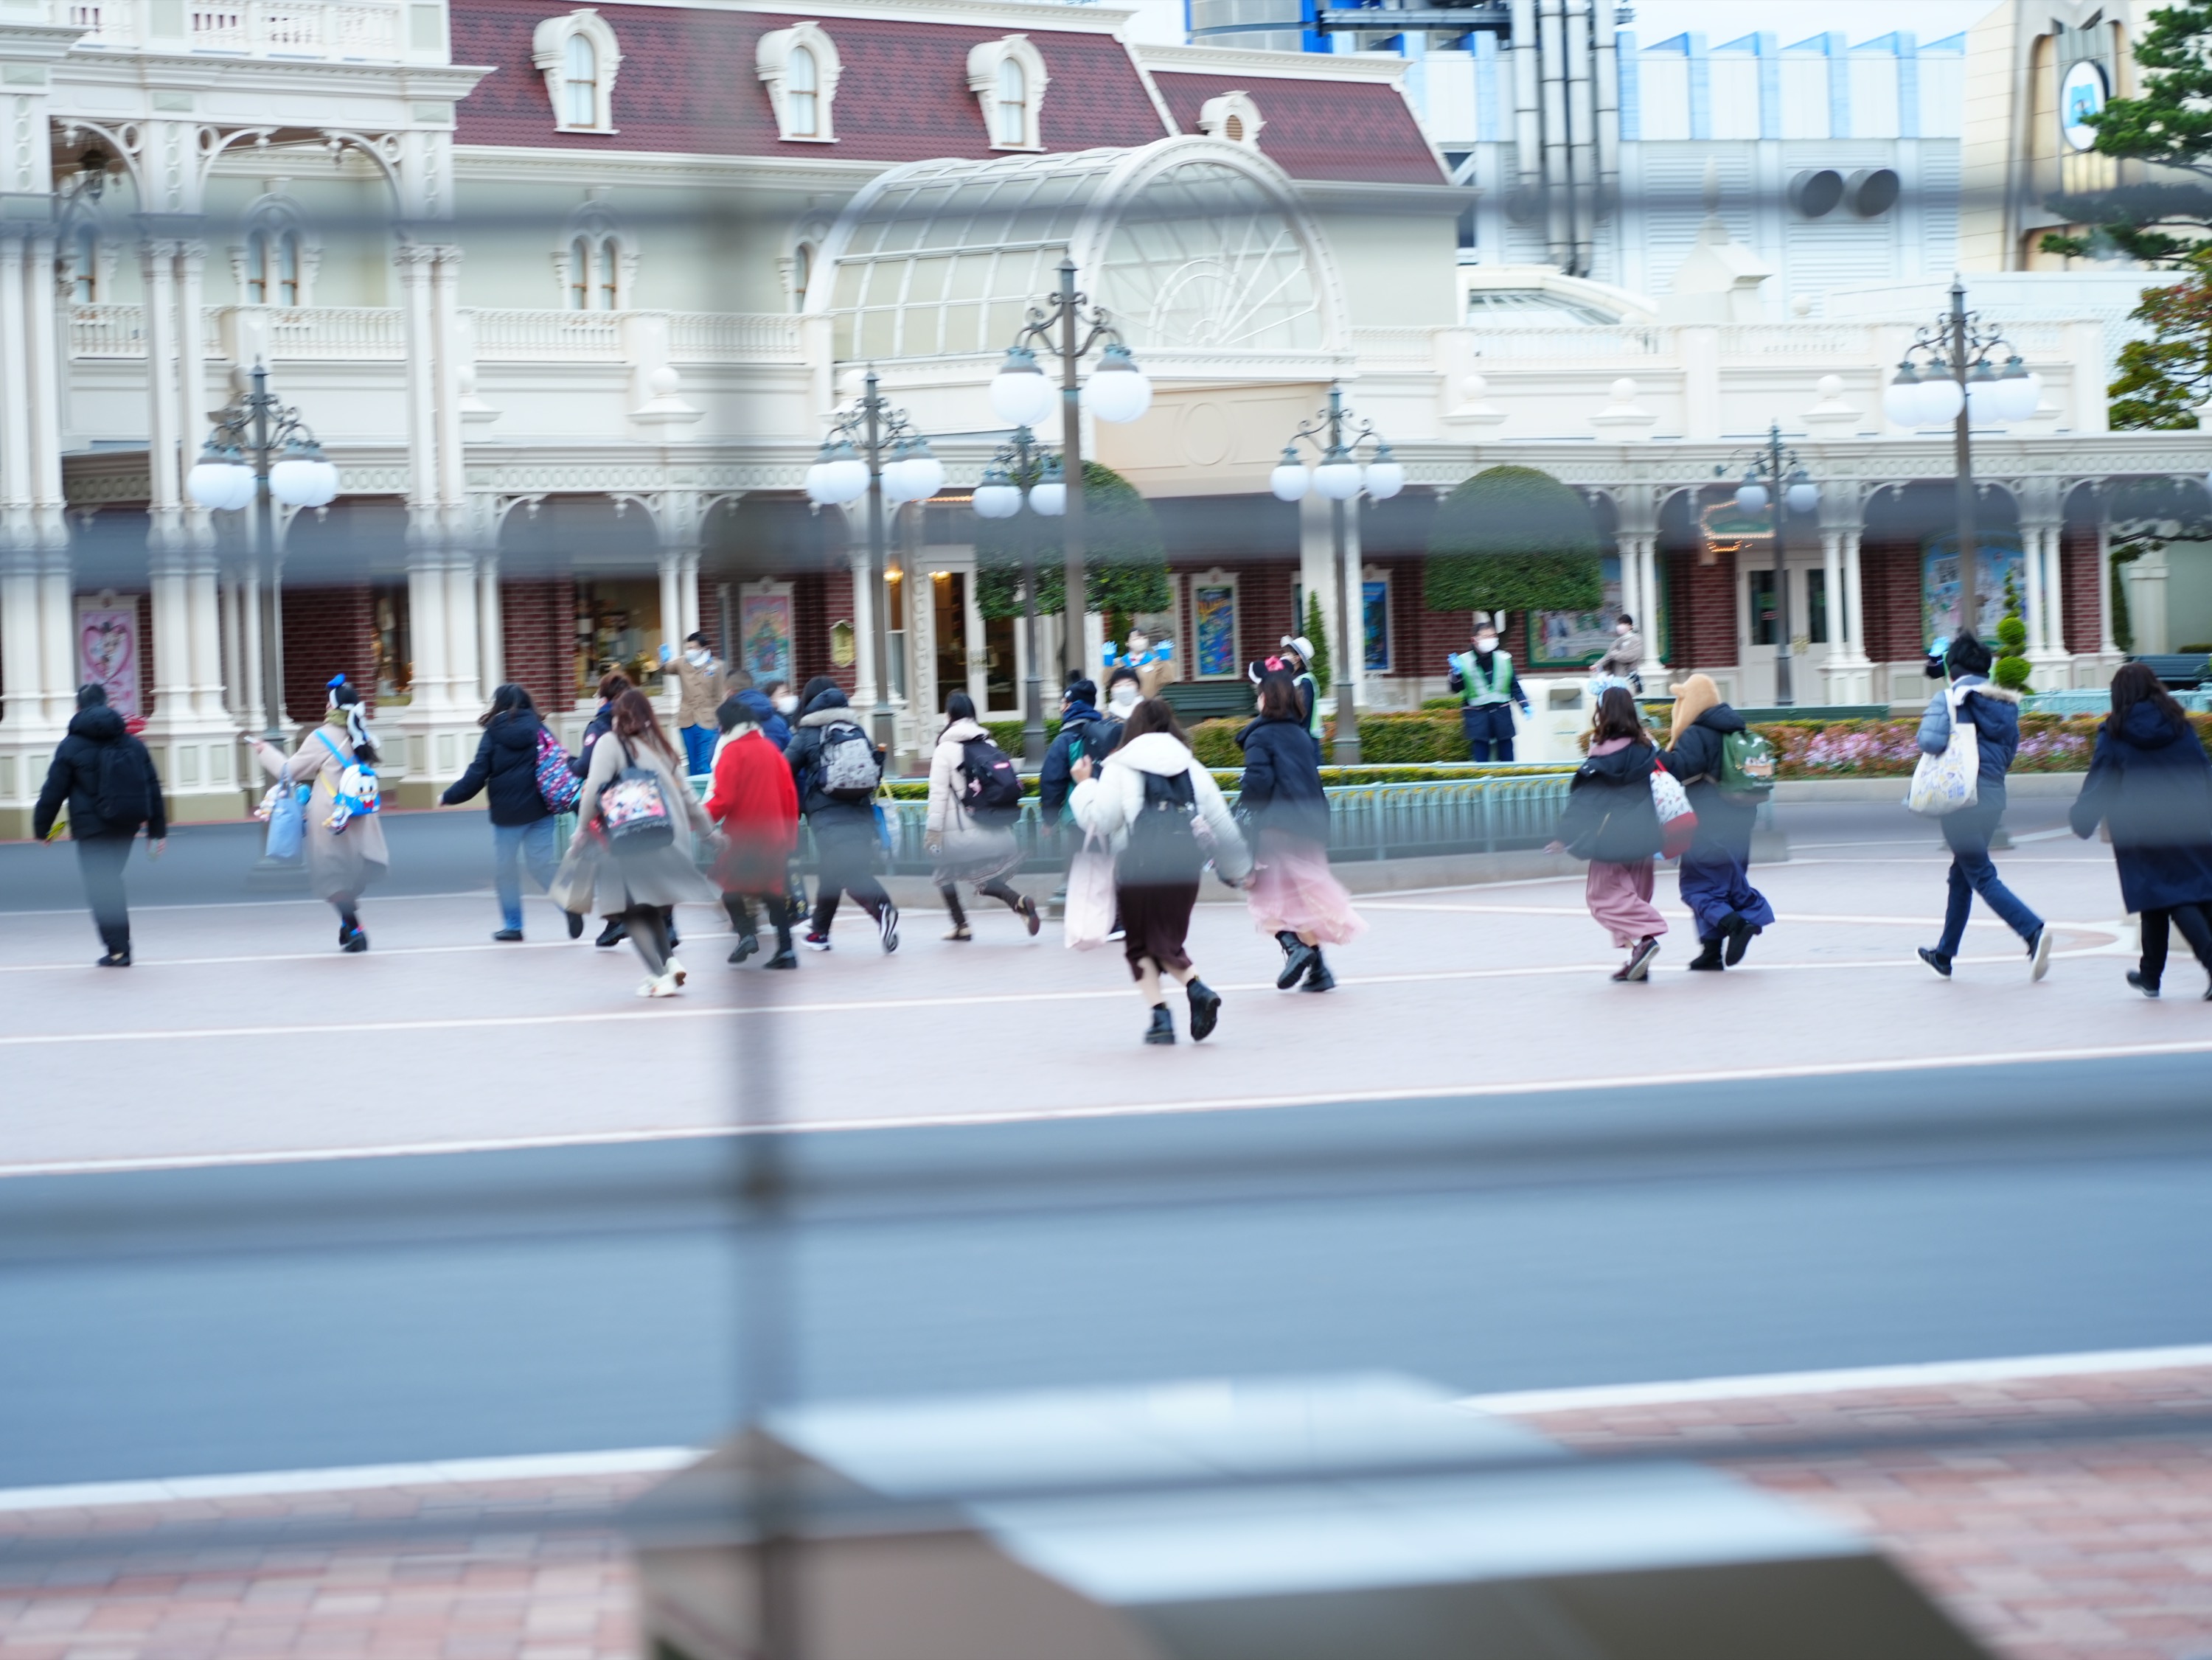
533 843
1967 834
699 747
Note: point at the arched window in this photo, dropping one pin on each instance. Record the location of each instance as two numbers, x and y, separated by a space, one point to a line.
577 56
272 265
582 74
1013 102
594 262
802 274
801 92
800 69
583 255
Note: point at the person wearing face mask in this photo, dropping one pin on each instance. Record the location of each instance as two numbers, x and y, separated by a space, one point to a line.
782 705
1154 665
1623 657
1124 692
699 691
1484 680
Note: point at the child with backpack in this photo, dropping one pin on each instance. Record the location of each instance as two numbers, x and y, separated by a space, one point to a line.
756 805
1611 821
974 797
1728 771
837 770
1163 816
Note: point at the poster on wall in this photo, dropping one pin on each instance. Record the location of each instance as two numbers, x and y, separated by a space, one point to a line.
764 632
2000 585
1213 620
1572 639
1374 615
107 650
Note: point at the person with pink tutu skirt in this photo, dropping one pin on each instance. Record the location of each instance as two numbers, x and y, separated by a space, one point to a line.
1292 893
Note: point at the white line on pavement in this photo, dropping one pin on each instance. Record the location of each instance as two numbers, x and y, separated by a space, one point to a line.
1118 1110
1928 1375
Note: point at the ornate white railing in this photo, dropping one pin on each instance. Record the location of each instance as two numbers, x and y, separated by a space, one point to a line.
1805 341
107 331
249 28
1597 341
1394 345
338 334
519 336
733 337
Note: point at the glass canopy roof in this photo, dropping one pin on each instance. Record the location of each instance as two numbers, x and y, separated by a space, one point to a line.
1194 245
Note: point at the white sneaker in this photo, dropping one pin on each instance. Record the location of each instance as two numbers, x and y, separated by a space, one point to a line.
676 970
2038 954
663 986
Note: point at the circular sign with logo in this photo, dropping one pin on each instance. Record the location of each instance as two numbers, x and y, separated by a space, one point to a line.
2081 99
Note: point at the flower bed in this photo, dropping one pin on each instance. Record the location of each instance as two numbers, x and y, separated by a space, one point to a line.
1890 749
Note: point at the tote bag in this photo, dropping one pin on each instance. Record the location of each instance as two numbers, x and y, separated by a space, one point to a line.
287 820
1946 783
1677 822
1089 916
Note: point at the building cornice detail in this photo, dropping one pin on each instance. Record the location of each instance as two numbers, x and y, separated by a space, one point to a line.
1269 65
520 165
1046 15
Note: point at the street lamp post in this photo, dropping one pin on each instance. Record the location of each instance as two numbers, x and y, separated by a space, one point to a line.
234 471
1957 381
1775 480
1022 471
1118 391
1341 478
841 475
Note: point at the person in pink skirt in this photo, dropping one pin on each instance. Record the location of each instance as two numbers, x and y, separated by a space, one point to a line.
1293 895
1610 821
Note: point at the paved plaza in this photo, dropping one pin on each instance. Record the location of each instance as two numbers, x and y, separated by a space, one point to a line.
241 1031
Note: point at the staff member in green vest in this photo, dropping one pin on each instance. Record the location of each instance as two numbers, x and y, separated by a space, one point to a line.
1484 680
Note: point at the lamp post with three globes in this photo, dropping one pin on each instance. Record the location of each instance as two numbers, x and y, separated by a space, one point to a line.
1024 471
1775 478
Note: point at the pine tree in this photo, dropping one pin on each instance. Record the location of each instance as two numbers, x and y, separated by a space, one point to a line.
1317 631
2168 123
2164 380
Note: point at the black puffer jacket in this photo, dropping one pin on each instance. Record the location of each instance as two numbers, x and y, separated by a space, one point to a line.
1724 826
804 753
1282 780
1078 723
506 770
1609 813
75 778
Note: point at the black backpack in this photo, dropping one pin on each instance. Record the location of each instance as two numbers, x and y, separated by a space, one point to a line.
1162 847
991 790
120 792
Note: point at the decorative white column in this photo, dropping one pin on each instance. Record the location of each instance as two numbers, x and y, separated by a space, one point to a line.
671 622
687 591
452 351
49 522
863 634
203 622
192 403
2106 645
414 263
164 487
463 639
2032 536
491 626
1848 674
432 683
15 398
252 709
57 632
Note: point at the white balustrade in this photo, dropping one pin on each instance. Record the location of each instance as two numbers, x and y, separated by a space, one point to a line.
107 331
543 336
1394 345
248 28
733 337
1805 341
338 333
1577 345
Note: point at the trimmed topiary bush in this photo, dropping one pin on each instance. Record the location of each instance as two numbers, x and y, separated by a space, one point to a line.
1512 539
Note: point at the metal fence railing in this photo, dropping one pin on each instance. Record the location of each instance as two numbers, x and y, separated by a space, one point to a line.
1493 815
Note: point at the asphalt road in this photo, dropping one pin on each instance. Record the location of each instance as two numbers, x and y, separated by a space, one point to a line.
366 1311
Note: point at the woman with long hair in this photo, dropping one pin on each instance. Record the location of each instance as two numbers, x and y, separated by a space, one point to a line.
612 685
633 764
965 848
1610 821
506 771
1715 874
1164 815
342 860
1293 895
2150 782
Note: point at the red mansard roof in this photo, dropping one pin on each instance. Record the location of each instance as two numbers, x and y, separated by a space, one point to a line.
1352 130
688 84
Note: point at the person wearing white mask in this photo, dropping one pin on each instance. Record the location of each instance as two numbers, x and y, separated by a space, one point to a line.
785 702
1623 657
700 688
1124 692
1484 680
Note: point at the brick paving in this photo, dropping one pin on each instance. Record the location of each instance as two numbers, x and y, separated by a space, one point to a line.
2071 1550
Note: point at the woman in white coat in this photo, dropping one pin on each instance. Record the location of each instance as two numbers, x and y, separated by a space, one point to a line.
1164 817
965 850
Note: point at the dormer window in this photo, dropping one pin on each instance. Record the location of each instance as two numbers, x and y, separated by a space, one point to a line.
1009 80
1232 116
799 68
577 56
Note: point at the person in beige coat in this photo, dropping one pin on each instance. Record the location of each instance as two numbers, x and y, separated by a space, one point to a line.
639 887
964 850
341 864
701 686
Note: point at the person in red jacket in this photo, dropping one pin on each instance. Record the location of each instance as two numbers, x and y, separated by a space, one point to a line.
755 802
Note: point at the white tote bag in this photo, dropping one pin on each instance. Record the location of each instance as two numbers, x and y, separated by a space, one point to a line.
1089 917
1946 783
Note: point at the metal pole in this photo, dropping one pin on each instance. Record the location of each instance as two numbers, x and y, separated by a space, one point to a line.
872 408
1784 690
1963 441
1033 745
265 535
1346 751
1070 450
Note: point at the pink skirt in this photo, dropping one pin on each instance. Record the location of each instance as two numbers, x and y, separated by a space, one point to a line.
1620 897
1294 891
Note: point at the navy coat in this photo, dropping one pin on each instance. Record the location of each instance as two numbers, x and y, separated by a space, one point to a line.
1609 814
1282 780
2150 780
1723 826
505 768
1078 722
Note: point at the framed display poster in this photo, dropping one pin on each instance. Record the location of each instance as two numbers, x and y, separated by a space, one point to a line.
1213 622
764 631
2000 585
107 650
1375 619
1573 639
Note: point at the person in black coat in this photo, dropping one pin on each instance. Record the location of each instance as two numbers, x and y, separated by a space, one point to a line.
108 780
611 686
2150 782
1293 895
1083 731
844 831
1610 821
506 771
1715 873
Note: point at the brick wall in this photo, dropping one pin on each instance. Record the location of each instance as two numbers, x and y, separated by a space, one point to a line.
817 602
1889 595
145 653
1701 612
327 631
2077 577
537 622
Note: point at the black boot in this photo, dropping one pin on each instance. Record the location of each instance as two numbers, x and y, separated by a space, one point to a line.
1205 1009
1738 933
1318 978
575 923
1162 1029
614 933
747 945
1298 958
1710 957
